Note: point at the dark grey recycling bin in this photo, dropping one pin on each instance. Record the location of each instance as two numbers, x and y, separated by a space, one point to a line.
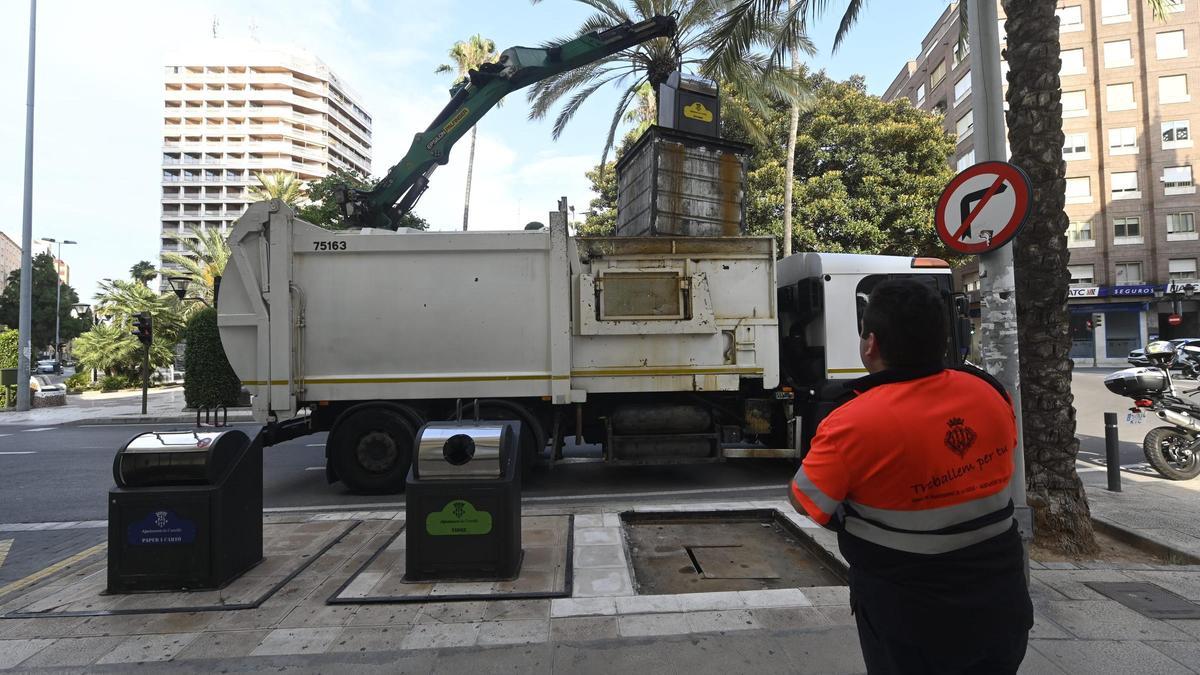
187 511
463 502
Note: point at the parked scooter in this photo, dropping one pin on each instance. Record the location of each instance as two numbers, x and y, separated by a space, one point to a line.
1173 451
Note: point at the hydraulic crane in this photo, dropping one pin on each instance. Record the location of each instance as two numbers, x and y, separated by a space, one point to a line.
517 67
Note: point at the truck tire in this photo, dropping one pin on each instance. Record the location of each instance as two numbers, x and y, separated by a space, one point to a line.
371 450
533 436
1156 446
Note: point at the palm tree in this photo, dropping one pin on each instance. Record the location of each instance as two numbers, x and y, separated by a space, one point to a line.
143 271
740 43
110 344
207 253
280 185
467 56
1060 509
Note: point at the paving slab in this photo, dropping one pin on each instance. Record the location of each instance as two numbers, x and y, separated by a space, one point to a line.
370 639
296 641
1087 657
721 621
642 625
519 631
72 652
583 628
222 645
13 652
1107 620
143 648
438 635
790 618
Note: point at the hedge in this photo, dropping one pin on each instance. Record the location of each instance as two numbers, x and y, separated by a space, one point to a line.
8 348
209 379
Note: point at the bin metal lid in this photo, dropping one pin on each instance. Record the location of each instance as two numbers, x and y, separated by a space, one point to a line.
175 441
461 450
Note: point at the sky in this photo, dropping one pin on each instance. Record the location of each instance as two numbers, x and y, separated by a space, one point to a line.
98 108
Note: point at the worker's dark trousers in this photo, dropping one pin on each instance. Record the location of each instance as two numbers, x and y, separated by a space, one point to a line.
996 654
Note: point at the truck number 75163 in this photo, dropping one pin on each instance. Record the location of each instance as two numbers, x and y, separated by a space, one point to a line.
329 246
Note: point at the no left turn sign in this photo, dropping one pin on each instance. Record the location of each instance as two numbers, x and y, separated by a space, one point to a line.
983 208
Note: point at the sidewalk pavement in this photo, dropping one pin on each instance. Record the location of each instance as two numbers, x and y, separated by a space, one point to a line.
605 626
163 406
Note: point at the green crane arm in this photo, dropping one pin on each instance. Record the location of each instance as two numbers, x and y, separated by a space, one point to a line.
517 67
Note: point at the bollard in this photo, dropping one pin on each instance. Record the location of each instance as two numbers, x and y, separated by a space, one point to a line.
1112 452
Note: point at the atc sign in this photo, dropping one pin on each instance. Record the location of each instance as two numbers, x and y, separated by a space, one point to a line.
983 208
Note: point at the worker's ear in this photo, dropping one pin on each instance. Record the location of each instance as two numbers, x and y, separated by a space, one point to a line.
868 352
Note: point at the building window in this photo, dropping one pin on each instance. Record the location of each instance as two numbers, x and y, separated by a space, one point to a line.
1122 141
1082 274
1114 11
1074 104
1176 134
920 93
1072 62
966 125
1080 232
1124 228
938 74
1177 180
1169 45
1075 147
1129 273
1125 185
1173 89
966 160
1003 33
1070 19
1181 269
1118 54
1120 96
962 49
1181 227
962 88
1174 5
1079 190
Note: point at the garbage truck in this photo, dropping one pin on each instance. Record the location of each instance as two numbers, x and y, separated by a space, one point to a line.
663 348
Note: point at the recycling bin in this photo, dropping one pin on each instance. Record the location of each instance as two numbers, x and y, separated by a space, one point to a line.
186 513
463 502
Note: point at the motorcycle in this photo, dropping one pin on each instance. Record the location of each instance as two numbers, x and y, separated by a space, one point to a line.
1173 451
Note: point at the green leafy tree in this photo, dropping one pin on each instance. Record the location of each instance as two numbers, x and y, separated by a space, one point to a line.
601 218
741 42
8 348
468 55
866 173
45 280
210 380
143 271
323 210
207 254
110 345
281 185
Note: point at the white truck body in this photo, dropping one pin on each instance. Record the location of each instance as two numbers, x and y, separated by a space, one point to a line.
309 315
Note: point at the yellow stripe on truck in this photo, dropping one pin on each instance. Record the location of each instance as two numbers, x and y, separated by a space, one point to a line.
596 372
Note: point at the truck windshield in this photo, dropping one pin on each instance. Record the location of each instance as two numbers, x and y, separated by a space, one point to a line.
941 283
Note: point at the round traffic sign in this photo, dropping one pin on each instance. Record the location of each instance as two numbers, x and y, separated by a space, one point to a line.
983 208
1174 320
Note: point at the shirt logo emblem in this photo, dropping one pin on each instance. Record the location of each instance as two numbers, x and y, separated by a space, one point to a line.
960 437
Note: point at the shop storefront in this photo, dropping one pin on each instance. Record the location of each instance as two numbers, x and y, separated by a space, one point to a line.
1107 322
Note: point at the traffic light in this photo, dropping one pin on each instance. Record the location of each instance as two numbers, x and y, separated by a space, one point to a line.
142 327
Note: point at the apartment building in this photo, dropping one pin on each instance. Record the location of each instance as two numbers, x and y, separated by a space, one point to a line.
234 110
1127 82
10 258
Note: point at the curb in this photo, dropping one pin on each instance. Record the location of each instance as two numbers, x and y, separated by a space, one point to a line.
1142 542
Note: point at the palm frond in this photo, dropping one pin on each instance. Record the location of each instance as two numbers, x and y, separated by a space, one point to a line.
572 106
616 120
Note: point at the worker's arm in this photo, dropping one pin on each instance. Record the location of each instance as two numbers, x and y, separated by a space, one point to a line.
517 67
823 480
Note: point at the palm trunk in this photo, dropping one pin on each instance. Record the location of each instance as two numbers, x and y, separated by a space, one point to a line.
790 164
1062 519
470 169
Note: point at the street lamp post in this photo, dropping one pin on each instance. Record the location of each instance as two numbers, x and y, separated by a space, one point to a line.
57 297
82 308
179 286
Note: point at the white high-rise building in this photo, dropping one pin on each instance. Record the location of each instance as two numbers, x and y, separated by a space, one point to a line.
233 110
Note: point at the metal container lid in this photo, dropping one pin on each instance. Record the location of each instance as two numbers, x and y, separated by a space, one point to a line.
451 450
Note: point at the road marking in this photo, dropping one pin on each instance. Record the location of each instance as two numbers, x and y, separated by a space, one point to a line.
314 468
47 571
54 525
5 547
38 429
21 452
314 445
3 435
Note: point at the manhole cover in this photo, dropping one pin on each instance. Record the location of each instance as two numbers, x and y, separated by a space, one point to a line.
730 562
724 551
1147 599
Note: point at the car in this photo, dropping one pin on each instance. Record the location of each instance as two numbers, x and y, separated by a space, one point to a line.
47 366
1137 357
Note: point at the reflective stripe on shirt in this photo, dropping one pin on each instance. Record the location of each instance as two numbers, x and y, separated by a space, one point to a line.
927 520
823 501
917 542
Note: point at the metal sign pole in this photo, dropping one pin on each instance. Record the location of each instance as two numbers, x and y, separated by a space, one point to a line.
997 279
25 311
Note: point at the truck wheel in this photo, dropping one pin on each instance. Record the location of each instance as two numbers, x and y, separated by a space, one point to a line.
533 437
372 450
1166 449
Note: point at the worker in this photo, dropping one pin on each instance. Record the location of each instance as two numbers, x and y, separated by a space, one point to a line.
913 473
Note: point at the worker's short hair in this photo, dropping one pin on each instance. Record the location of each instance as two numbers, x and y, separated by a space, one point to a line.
908 319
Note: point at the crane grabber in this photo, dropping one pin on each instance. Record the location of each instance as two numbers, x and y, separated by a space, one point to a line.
395 195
